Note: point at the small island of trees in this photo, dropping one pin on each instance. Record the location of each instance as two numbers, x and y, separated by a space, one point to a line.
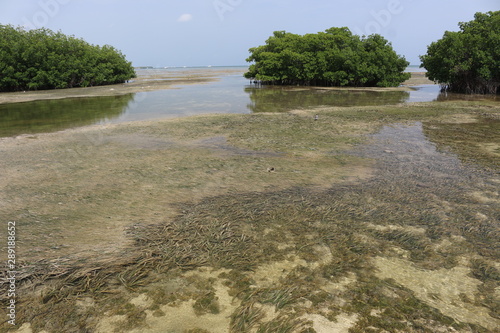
467 61
42 59
335 57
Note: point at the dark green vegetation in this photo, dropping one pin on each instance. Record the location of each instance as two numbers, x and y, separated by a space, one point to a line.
467 61
42 59
303 251
335 57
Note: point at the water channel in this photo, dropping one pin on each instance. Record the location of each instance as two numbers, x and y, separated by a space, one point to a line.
231 93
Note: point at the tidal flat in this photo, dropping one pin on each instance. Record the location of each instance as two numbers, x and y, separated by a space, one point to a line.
368 219
147 80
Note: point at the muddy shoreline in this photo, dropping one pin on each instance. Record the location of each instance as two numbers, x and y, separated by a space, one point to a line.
151 81
146 81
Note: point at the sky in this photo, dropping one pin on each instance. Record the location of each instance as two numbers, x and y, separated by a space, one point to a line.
164 33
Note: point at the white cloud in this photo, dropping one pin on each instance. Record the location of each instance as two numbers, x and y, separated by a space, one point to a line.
185 18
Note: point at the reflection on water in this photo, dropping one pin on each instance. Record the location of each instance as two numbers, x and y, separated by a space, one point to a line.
280 99
224 96
447 96
231 94
59 114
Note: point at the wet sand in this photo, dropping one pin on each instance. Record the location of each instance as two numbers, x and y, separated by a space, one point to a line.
150 80
417 79
147 80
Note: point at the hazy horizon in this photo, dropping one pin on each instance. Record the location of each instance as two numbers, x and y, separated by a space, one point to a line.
220 32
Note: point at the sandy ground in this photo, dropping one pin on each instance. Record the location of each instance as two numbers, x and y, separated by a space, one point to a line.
147 80
417 78
77 194
150 80
76 191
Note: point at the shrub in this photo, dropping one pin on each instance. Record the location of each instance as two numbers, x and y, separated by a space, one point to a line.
335 57
467 61
43 59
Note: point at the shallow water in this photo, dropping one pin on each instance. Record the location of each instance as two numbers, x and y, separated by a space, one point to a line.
407 239
414 226
59 114
231 94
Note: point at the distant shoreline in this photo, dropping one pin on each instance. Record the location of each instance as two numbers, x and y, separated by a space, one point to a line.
188 67
143 83
151 81
417 79
408 69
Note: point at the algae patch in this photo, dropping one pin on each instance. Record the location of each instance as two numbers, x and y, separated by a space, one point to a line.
444 289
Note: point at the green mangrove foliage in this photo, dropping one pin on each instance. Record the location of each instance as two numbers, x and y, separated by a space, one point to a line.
335 57
467 61
43 59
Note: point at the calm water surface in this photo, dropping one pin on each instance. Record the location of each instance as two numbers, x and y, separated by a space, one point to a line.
231 94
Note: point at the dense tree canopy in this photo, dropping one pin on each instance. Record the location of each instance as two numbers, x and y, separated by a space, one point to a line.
43 59
335 57
467 61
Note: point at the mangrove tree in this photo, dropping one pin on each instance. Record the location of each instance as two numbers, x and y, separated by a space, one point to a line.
42 59
335 57
467 61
